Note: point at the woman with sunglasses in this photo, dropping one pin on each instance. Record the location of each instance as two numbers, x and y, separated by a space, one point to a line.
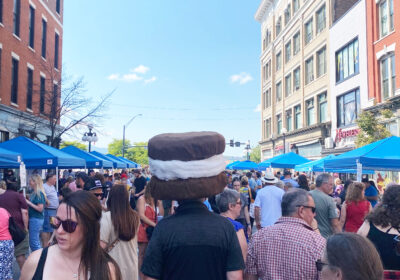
36 203
382 227
118 232
349 256
77 254
229 205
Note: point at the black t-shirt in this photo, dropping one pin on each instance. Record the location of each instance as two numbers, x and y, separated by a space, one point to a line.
139 183
193 244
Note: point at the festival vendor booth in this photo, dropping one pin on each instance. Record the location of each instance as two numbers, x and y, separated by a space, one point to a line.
91 160
9 159
245 165
116 163
132 163
381 155
318 166
127 165
37 155
230 165
288 160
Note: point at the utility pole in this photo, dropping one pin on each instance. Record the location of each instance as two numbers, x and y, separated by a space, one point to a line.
123 133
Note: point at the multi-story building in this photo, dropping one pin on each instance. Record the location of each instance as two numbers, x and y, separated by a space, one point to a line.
383 43
348 73
30 65
295 76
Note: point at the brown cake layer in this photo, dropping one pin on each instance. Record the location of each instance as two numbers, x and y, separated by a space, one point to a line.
187 189
186 146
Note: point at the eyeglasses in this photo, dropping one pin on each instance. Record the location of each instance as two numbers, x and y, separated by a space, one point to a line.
313 209
239 202
68 225
98 194
320 264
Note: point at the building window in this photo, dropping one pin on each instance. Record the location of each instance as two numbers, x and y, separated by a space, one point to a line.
308 34
321 19
288 10
1 10
29 89
278 26
4 136
385 17
31 27
348 107
267 70
296 78
297 117
322 108
54 100
16 16
278 61
44 37
56 43
296 43
347 63
14 81
267 39
388 76
267 127
289 120
288 51
279 124
288 85
42 93
310 112
309 70
267 98
321 62
58 6
296 5
278 91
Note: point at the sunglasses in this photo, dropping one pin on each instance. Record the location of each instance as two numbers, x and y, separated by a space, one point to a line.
98 194
68 225
320 264
313 209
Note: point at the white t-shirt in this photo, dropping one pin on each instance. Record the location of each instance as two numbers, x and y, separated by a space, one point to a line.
269 200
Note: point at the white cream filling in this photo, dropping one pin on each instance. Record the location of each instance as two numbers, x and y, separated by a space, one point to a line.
177 169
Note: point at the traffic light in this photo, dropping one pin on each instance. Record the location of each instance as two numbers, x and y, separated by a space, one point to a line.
237 144
231 143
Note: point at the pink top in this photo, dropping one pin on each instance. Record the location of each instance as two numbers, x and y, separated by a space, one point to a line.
4 232
72 186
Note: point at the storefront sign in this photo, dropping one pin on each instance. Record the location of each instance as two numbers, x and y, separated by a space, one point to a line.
340 134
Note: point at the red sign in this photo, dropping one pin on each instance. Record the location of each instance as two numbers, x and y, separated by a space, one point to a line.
340 134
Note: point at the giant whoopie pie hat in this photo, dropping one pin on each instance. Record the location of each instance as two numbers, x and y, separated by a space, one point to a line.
187 165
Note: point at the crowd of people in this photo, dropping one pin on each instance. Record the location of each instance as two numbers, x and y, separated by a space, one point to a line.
261 226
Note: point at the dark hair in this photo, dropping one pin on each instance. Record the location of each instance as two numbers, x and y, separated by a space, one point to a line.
88 213
14 186
236 179
258 173
387 213
347 184
365 180
49 175
65 191
355 256
83 176
125 220
303 182
248 175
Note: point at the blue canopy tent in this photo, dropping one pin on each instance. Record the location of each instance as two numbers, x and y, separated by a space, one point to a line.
381 155
318 166
230 165
132 163
91 160
288 160
116 163
127 165
39 155
6 163
245 165
10 155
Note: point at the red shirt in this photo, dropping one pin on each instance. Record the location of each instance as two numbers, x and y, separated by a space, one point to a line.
355 215
286 250
13 202
4 232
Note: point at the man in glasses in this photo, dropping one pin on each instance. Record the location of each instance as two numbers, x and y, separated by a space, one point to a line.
289 248
95 187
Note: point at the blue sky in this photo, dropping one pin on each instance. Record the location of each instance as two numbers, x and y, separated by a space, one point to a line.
185 65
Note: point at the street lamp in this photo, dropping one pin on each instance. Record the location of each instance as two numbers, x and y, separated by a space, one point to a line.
284 131
90 137
123 135
247 148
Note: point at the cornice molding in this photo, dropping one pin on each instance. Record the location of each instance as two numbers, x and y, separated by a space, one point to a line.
262 9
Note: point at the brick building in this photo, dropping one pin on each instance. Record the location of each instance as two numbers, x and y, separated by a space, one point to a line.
30 65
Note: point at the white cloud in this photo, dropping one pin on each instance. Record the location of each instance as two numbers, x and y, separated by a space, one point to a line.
141 69
242 78
151 80
258 108
113 77
131 77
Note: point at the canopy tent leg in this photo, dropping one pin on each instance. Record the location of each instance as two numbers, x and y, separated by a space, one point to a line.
57 178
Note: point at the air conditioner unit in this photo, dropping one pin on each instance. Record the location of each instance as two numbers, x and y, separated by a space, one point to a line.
328 143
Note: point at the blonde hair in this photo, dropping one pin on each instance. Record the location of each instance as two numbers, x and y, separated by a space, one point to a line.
39 185
338 181
3 185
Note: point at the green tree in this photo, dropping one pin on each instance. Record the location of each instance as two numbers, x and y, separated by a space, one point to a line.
73 143
136 154
255 154
370 128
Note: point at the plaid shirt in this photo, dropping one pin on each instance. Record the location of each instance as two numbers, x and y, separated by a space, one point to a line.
286 250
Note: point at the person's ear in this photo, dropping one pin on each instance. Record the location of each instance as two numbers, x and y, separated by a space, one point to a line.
338 274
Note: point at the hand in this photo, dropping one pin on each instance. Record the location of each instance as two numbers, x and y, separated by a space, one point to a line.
137 195
249 230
